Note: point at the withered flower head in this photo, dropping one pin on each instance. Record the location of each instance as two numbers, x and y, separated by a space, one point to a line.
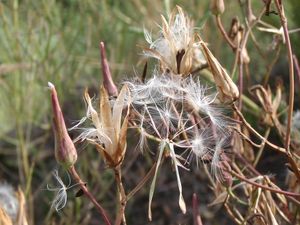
175 48
65 151
269 104
109 131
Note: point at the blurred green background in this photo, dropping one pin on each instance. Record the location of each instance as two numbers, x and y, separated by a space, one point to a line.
57 41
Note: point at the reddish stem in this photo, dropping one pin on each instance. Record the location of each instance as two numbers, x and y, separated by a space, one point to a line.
283 21
265 187
77 178
223 32
196 215
291 72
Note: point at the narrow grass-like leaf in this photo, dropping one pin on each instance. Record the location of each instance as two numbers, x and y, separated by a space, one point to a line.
152 187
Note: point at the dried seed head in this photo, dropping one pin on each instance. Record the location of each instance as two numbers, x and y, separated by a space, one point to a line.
107 78
176 47
65 151
109 127
217 7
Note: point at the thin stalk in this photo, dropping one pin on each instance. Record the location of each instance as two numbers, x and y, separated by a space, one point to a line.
77 178
122 197
259 154
287 193
291 73
271 65
292 88
223 32
275 147
239 52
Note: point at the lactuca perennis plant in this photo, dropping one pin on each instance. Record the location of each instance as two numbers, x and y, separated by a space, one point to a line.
187 118
177 110
108 131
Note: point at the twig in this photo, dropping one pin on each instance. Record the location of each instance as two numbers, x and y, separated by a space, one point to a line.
265 187
292 87
275 147
246 138
271 65
259 154
291 73
223 32
77 178
240 50
258 174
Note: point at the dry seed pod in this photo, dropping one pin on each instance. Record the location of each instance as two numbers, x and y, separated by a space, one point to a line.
217 7
235 24
227 89
244 53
